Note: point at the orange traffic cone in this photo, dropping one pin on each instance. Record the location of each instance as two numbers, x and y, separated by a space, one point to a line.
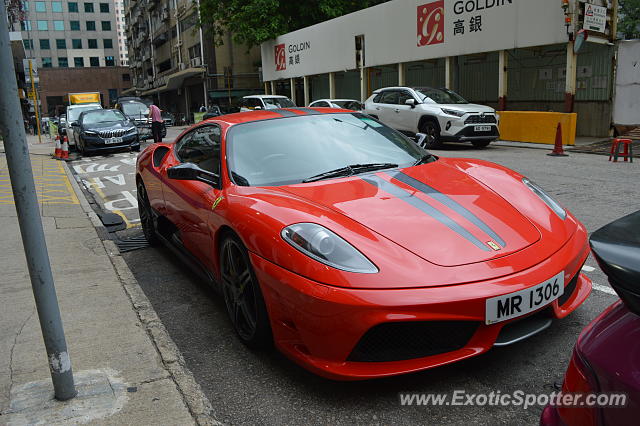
58 152
65 149
557 149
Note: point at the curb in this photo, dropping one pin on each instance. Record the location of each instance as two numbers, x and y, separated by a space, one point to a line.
195 400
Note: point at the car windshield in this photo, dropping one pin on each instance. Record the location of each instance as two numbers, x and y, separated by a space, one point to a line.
103 116
440 96
355 105
278 103
74 113
290 150
135 109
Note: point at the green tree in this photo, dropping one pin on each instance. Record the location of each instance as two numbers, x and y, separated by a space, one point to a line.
629 19
252 22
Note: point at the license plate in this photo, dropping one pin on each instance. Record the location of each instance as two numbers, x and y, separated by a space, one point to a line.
110 141
513 305
482 128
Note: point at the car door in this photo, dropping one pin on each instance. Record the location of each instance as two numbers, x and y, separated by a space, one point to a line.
188 203
386 106
405 115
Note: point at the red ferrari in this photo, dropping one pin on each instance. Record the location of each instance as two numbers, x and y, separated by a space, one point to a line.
353 249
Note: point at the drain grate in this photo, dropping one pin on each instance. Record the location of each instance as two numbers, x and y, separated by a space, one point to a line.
132 243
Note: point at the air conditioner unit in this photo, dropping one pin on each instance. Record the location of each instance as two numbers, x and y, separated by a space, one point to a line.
182 66
196 62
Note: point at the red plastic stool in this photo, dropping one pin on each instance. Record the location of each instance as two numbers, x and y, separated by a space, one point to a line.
627 152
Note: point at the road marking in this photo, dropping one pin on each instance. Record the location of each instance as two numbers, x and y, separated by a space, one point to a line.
604 289
587 268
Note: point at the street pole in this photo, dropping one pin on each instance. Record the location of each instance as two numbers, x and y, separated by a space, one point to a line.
35 99
35 247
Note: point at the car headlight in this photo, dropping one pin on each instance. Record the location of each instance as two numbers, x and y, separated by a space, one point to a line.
90 133
320 244
453 112
553 204
131 130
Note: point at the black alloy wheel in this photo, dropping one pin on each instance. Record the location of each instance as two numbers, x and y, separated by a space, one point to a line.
431 129
242 295
146 216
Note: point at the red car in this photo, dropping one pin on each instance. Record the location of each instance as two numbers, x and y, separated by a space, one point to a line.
355 251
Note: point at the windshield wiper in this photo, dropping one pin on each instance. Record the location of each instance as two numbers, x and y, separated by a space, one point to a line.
425 159
350 170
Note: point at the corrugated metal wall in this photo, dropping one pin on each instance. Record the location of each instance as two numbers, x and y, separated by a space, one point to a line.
425 73
319 87
348 85
384 76
595 76
478 77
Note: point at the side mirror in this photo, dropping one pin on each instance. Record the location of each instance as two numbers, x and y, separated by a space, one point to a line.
421 138
411 102
189 171
74 124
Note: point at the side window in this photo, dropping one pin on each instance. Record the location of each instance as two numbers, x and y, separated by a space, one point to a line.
245 103
253 103
202 148
322 104
389 97
403 96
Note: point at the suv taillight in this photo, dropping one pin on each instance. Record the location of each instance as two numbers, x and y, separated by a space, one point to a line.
578 380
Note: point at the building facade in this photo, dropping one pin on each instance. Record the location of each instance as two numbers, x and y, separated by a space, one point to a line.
122 33
176 63
70 34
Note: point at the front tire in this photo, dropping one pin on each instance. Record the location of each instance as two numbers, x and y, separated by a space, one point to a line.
242 295
146 215
432 130
480 144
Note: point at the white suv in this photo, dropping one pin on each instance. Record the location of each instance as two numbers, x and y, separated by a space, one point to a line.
441 114
253 102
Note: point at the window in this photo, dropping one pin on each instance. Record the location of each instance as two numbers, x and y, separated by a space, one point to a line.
403 97
46 63
44 44
94 61
104 7
126 77
389 97
56 6
91 25
76 43
25 6
41 6
28 44
88 8
63 62
108 43
73 7
58 25
188 22
74 25
93 43
113 97
106 25
78 62
25 25
109 61
61 43
43 26
202 148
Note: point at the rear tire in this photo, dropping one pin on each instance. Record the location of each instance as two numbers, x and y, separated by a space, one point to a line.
242 295
480 144
430 128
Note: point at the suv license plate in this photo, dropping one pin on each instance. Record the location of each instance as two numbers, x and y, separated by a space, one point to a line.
522 302
113 140
482 128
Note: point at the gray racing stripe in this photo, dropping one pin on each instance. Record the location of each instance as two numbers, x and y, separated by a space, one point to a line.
309 111
449 202
283 112
409 198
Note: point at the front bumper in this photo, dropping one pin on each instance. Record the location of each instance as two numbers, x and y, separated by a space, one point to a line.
468 133
319 326
96 143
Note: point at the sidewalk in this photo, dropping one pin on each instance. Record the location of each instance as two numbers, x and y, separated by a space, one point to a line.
127 369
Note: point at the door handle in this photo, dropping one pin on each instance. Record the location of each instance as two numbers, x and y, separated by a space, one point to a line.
378 108
397 110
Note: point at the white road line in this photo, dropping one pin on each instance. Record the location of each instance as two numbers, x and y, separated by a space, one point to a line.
588 268
604 289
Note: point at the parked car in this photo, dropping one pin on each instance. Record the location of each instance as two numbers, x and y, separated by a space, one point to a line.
337 103
106 129
441 114
353 249
606 358
253 102
137 110
213 111
73 113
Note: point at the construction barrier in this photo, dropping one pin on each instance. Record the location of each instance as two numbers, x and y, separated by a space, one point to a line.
537 127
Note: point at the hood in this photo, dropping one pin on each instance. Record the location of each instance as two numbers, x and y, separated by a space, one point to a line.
435 211
469 108
109 126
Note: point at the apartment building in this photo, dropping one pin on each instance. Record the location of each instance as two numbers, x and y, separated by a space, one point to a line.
176 62
122 33
70 34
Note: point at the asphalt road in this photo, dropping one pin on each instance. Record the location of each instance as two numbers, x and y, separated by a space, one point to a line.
265 388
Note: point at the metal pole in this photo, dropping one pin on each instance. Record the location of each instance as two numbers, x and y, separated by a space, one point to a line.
35 99
35 248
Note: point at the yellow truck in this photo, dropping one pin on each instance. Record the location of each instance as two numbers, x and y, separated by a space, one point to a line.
84 98
78 103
